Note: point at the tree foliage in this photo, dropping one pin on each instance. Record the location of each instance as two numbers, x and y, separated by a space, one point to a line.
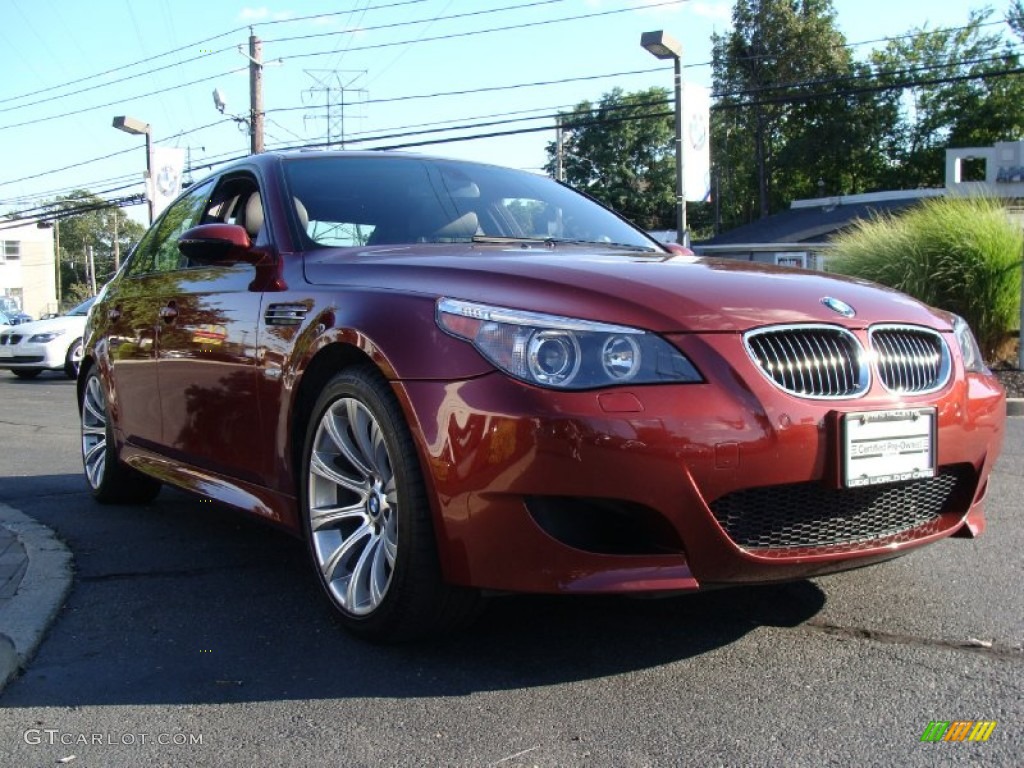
621 151
795 116
957 89
95 228
773 135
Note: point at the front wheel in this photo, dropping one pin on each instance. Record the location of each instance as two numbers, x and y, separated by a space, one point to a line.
110 481
366 516
26 373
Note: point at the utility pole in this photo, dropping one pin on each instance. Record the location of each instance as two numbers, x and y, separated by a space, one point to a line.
91 267
117 245
56 235
255 94
559 151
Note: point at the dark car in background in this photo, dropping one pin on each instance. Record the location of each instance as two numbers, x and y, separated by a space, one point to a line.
14 317
452 378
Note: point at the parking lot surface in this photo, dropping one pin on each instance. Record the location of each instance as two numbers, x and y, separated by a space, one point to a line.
194 636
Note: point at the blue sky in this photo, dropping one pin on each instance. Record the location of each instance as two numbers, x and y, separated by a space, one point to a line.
383 53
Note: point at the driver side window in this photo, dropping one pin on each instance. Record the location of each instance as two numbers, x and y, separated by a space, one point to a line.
158 251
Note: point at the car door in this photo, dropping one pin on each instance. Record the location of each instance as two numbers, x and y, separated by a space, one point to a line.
207 350
132 322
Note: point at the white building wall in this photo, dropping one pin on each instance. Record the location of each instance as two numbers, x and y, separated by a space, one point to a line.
31 277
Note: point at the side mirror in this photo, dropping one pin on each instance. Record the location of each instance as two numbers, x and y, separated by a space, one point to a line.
217 244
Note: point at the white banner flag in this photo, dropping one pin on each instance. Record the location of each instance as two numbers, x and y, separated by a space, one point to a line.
696 142
164 184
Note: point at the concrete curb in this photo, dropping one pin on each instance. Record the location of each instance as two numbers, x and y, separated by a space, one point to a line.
1015 406
45 584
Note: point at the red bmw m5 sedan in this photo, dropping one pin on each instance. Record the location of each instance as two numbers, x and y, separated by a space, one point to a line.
453 379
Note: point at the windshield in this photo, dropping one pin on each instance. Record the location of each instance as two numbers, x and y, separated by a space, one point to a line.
83 308
388 200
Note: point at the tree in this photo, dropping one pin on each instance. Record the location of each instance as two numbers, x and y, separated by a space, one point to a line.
93 226
959 88
622 152
770 74
1015 17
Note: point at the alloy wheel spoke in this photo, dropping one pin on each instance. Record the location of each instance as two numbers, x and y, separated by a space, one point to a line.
355 593
330 516
379 570
338 434
340 557
319 466
362 425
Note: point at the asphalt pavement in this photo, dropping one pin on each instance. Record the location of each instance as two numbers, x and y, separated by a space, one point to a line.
195 636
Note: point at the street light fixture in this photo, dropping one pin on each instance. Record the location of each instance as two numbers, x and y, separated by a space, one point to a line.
664 46
139 128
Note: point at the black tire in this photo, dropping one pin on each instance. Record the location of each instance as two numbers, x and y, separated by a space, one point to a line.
26 373
376 557
73 359
110 481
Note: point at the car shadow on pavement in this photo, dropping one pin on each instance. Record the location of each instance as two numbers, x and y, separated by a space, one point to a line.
182 602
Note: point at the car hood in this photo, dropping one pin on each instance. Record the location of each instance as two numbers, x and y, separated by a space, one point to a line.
66 323
660 292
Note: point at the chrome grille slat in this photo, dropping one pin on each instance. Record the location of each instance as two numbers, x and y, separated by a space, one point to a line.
827 361
815 361
912 359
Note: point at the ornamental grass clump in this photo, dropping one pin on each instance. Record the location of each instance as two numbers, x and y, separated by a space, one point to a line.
962 254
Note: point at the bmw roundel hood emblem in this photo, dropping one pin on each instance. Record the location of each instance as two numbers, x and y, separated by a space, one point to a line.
839 307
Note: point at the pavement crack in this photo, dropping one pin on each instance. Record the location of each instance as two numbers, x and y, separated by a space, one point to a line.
996 650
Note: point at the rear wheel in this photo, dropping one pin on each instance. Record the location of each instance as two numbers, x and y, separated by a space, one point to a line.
110 481
367 520
73 359
26 373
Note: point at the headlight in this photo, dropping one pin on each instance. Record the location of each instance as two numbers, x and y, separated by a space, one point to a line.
564 352
43 338
969 350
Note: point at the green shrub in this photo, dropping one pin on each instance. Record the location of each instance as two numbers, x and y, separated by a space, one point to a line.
962 254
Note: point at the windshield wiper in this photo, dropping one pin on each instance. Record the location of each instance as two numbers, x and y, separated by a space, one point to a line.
555 241
503 240
602 243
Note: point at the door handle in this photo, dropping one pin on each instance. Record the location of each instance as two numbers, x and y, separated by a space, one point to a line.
169 313
114 314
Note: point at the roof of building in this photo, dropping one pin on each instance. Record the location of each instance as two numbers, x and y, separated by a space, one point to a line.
810 223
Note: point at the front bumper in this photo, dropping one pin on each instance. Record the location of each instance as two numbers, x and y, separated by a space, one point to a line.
617 490
36 356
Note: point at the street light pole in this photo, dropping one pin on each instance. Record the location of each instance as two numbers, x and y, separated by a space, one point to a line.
683 235
664 46
139 128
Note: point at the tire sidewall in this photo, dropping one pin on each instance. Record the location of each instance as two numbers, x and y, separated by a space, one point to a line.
72 369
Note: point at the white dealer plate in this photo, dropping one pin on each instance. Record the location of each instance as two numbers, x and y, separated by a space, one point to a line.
888 446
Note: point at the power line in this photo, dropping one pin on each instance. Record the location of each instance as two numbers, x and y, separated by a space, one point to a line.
412 22
190 46
121 100
490 89
473 33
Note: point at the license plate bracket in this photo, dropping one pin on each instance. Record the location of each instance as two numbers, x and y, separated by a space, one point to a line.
888 446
